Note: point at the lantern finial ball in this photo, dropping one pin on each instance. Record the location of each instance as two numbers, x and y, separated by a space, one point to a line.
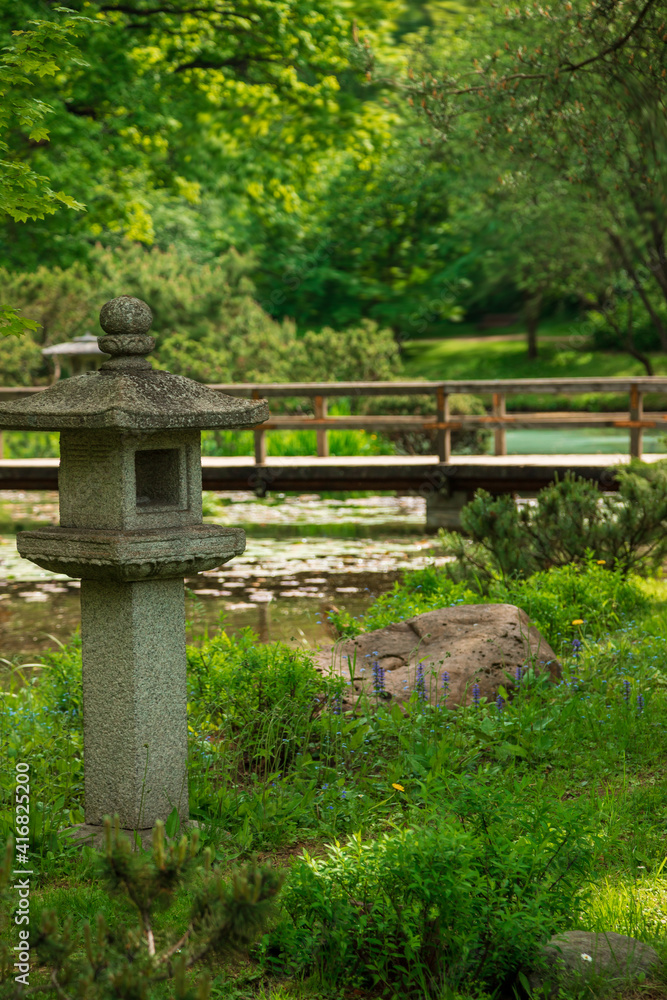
125 315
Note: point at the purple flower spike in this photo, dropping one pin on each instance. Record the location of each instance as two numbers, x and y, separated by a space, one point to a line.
626 691
420 685
640 703
475 694
378 677
500 701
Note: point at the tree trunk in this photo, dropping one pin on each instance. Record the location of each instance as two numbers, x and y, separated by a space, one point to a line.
531 312
628 340
632 274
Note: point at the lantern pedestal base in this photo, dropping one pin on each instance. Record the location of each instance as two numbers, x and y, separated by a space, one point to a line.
88 835
134 701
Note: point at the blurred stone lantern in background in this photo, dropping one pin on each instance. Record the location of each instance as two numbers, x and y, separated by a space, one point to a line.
79 355
131 528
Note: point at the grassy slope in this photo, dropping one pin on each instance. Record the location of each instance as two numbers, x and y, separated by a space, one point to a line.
476 356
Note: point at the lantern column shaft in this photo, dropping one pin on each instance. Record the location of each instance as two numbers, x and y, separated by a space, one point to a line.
134 701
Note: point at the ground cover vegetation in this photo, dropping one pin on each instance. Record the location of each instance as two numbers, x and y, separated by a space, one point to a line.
423 852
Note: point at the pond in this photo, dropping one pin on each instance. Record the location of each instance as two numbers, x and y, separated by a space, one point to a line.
580 441
304 556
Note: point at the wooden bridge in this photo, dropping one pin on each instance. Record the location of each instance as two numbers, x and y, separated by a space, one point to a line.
446 480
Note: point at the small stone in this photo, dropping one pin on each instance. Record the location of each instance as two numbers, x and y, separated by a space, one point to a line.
571 958
125 315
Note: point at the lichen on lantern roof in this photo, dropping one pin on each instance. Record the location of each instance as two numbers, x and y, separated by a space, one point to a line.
127 394
141 401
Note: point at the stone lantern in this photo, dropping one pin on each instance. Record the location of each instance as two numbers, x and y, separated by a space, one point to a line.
131 527
80 354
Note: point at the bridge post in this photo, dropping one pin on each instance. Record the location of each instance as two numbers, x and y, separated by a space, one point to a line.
322 436
444 437
443 509
499 433
260 438
636 413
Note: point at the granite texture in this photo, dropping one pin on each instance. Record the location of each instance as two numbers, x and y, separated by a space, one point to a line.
475 643
126 315
131 528
122 481
129 400
134 701
125 556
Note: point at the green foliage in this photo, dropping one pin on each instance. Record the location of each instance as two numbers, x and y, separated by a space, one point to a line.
106 962
6 952
207 323
553 599
569 522
462 901
594 137
196 124
38 52
271 767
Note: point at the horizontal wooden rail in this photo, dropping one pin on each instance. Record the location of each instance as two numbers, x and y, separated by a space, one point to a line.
635 420
379 423
480 387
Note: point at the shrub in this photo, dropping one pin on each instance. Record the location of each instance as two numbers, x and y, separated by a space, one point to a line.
107 962
261 695
207 323
465 899
553 599
570 520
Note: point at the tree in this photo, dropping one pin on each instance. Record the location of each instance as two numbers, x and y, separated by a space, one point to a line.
121 960
535 241
575 94
35 52
195 121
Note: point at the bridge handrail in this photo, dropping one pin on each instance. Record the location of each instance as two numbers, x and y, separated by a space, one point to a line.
634 420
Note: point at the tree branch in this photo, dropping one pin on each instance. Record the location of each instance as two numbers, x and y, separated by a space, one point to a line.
618 44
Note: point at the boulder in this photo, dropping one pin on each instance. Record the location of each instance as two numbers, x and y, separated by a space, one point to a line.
575 957
474 643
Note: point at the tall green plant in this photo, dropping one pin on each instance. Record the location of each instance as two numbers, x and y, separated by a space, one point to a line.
570 522
463 900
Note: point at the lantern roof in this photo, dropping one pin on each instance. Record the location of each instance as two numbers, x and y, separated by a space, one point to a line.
127 393
85 345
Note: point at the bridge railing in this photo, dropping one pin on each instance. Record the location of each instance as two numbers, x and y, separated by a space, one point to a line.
634 419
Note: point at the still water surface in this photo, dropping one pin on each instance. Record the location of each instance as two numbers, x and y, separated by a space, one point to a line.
304 556
281 587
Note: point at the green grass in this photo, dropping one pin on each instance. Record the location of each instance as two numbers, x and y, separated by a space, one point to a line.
274 768
484 357
459 358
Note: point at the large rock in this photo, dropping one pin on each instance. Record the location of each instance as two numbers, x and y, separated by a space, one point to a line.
474 643
575 957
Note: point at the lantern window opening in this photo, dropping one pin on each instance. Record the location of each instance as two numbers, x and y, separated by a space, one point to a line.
157 479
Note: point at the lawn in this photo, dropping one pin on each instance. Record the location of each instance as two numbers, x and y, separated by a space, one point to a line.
490 827
468 354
